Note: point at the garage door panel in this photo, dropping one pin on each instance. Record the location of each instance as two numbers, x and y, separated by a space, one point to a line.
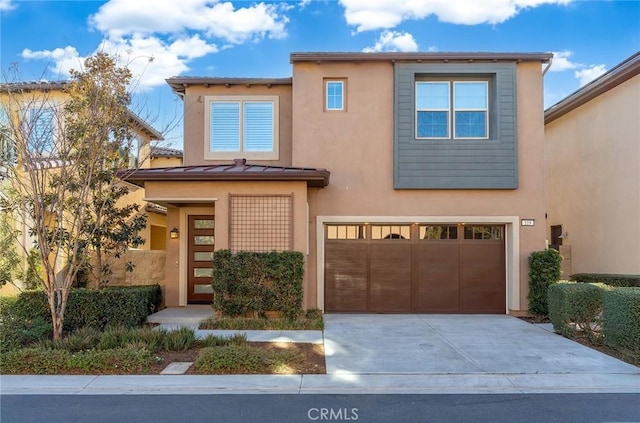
483 277
437 277
427 269
390 278
346 276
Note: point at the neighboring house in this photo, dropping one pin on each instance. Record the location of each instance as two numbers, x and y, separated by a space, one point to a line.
412 182
40 104
165 157
593 173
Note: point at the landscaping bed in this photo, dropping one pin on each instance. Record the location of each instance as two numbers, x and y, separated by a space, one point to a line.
147 351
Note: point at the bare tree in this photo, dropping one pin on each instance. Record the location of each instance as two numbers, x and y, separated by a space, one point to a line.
67 152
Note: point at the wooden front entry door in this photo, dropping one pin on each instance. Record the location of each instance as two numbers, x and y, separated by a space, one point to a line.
200 258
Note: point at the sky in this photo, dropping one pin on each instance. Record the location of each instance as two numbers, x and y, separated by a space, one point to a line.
158 39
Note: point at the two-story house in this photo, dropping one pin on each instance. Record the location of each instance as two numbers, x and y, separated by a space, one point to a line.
412 182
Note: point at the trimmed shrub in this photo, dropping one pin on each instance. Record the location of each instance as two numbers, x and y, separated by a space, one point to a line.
17 330
609 279
98 308
254 283
544 270
621 315
574 307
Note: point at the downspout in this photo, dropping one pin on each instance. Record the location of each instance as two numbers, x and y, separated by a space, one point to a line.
548 66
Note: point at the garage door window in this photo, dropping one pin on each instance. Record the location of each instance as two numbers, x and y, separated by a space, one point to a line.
345 232
484 232
390 232
434 232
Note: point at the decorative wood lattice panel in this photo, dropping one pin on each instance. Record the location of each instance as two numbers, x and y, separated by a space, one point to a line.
261 222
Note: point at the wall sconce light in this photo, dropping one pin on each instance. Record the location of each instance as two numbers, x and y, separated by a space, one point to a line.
174 233
564 235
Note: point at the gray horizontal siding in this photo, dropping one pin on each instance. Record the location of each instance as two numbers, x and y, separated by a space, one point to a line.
456 163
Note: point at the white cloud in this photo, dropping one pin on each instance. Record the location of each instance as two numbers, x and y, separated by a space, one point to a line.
164 29
63 59
584 73
368 15
120 18
6 5
393 41
589 73
561 61
150 59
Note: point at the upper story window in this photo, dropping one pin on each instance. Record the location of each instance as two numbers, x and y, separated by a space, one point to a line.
40 127
448 109
241 125
334 94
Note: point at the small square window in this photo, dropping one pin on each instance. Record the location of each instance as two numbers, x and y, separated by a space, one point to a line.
334 94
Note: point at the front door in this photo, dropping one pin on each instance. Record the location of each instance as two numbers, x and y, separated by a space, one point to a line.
200 260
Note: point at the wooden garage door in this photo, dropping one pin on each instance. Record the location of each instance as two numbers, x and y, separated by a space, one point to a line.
415 268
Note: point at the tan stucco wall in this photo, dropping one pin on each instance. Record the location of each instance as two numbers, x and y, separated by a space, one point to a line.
593 181
357 147
179 196
166 162
194 121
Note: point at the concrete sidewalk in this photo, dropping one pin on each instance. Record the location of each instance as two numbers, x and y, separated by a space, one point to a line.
321 384
377 354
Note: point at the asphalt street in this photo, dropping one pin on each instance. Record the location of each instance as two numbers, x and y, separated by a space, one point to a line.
495 408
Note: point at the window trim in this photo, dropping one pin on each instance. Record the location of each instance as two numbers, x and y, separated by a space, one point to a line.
451 111
343 83
274 154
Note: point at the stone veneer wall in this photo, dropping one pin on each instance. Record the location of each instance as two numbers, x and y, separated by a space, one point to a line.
148 270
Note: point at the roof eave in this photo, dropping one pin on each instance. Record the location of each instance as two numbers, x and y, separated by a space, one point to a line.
430 57
144 127
180 84
315 179
616 76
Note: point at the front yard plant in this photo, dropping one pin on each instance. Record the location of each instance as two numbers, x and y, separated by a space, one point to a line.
250 283
309 320
544 271
121 350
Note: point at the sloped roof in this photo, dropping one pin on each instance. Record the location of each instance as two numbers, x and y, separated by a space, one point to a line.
157 151
611 79
239 170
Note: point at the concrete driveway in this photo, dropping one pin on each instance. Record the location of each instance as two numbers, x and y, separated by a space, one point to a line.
376 344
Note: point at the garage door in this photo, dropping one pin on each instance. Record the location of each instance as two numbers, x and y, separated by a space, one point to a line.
419 268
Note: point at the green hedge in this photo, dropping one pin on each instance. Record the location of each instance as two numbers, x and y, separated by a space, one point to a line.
609 279
544 270
574 306
622 319
250 282
98 308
